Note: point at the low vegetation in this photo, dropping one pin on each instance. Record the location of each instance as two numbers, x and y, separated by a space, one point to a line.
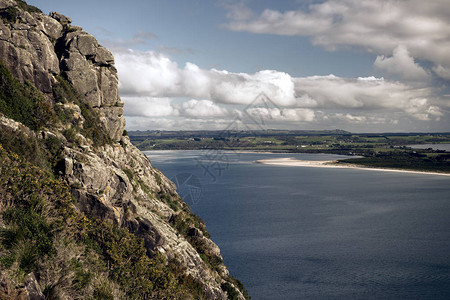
23 102
26 7
11 13
421 160
73 256
378 150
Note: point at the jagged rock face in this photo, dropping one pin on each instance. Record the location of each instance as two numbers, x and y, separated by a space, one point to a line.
46 46
29 46
90 69
115 182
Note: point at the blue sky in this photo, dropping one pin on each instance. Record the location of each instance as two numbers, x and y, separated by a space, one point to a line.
358 65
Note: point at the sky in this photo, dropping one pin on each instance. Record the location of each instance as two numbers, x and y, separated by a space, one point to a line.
356 65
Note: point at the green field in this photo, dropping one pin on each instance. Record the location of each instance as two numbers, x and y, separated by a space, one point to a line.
386 150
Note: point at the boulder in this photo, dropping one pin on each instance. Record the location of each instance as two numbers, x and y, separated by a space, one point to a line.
51 27
114 121
86 44
64 167
145 230
27 18
32 69
60 18
104 56
95 207
195 232
5 33
82 77
32 288
45 52
22 45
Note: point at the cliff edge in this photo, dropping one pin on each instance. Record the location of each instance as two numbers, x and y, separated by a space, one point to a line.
83 213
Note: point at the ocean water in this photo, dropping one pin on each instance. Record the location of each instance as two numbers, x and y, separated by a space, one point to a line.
315 233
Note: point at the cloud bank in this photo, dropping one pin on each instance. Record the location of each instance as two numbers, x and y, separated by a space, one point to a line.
155 75
154 86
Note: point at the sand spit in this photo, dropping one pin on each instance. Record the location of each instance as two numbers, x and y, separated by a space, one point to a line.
291 162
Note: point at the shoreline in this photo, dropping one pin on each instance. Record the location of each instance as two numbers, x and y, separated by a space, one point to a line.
332 164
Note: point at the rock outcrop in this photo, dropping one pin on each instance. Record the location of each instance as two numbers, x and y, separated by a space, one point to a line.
89 67
113 181
37 48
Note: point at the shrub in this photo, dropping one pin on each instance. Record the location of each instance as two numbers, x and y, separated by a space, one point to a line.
71 135
29 8
9 15
231 291
28 147
239 285
36 211
139 276
23 102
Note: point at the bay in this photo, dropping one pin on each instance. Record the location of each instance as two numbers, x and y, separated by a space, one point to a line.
317 233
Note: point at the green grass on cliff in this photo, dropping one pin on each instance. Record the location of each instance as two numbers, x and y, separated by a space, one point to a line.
10 14
26 7
72 256
23 102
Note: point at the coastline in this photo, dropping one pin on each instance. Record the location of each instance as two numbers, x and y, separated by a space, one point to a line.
291 162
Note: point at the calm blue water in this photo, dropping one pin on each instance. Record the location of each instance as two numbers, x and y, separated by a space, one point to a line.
314 233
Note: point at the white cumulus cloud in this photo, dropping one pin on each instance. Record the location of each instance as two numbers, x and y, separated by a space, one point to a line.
149 83
149 107
203 109
402 64
153 74
358 119
369 94
287 114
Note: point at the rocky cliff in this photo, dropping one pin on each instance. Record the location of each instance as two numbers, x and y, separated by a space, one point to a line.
61 123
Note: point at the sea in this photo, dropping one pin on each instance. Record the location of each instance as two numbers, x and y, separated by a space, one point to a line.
319 233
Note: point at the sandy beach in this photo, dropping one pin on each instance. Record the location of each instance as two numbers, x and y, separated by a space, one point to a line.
291 162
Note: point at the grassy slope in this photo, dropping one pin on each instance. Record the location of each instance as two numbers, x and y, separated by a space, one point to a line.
42 232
